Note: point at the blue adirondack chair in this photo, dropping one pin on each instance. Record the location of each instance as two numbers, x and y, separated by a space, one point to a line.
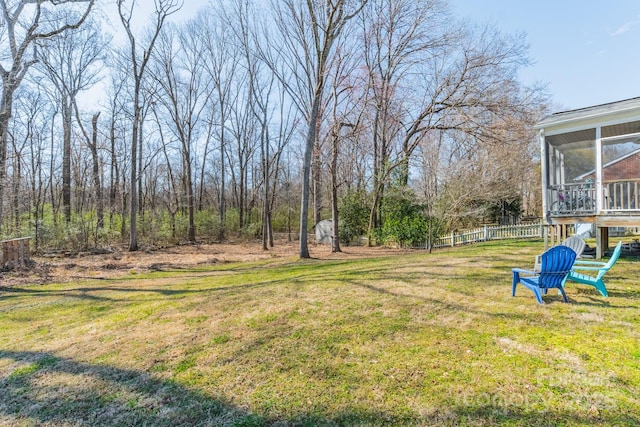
594 266
554 268
574 242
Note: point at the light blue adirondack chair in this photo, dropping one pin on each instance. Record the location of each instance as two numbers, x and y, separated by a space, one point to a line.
594 266
555 265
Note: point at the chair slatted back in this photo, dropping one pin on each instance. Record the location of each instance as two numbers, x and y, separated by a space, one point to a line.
556 264
614 257
576 243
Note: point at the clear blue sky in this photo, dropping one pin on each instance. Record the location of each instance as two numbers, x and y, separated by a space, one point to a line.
588 52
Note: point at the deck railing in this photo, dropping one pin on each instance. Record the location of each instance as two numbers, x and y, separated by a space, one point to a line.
622 195
491 232
572 199
580 199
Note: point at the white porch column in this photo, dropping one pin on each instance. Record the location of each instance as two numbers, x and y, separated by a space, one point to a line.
562 175
599 177
602 233
545 171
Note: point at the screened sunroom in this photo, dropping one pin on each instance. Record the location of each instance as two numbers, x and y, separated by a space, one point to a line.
591 167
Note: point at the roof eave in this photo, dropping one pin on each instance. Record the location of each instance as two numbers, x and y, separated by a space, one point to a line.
587 115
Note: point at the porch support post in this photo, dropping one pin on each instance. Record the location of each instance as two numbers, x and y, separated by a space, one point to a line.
599 178
602 233
602 241
545 171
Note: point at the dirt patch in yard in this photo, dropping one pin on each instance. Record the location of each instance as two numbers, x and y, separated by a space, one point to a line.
117 262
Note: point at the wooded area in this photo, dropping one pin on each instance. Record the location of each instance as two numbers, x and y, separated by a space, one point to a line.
391 117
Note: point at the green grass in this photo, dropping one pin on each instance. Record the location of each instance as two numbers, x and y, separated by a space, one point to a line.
418 339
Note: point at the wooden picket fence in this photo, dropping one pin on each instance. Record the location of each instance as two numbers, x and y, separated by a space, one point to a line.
491 232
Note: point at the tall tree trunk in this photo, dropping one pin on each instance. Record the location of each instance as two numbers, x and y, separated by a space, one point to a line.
264 154
140 183
123 207
306 167
241 202
376 175
17 178
52 189
6 107
335 239
201 190
96 172
36 190
114 173
316 175
163 8
133 196
66 158
190 199
221 197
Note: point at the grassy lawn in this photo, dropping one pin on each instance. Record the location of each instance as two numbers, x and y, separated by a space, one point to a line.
418 339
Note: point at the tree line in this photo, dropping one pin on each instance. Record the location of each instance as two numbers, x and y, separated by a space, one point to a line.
393 118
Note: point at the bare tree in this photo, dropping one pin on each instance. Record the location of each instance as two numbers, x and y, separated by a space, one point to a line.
92 143
308 32
184 93
70 61
117 152
468 178
97 184
139 61
282 134
244 130
30 123
346 108
223 62
24 25
398 35
172 198
261 85
20 138
427 76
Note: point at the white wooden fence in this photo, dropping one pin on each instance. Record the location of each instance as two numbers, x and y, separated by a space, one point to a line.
491 232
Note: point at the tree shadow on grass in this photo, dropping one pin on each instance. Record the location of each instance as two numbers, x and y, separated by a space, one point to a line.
50 390
91 293
43 389
627 293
